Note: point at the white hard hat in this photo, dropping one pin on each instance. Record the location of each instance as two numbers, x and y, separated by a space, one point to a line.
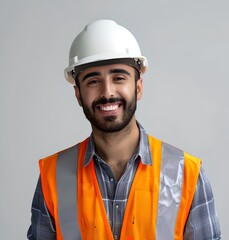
103 42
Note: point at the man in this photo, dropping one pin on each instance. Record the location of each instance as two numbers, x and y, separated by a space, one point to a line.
120 183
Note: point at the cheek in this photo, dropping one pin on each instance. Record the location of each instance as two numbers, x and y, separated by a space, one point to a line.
87 98
128 91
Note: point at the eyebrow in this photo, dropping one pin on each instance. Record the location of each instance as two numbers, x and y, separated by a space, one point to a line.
117 70
92 74
120 71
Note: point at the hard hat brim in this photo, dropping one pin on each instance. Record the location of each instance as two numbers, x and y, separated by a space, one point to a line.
139 63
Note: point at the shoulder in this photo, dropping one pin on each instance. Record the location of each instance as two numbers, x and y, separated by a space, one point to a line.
50 161
171 150
53 157
203 187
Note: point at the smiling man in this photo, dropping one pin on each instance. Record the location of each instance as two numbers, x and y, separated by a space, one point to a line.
108 96
119 183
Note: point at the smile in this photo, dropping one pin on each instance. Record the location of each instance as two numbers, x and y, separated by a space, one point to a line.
109 107
112 107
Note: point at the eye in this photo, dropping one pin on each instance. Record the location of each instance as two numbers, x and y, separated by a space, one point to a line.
92 82
119 78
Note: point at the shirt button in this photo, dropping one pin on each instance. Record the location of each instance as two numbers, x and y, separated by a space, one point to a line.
117 206
111 179
115 237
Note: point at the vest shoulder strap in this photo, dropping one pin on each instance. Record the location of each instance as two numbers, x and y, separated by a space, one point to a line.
178 178
170 193
66 183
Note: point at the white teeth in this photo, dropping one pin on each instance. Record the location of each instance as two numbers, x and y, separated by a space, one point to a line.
109 108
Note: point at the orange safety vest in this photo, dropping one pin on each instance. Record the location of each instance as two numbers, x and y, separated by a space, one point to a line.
157 208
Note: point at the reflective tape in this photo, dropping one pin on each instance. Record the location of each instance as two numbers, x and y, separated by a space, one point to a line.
66 174
171 179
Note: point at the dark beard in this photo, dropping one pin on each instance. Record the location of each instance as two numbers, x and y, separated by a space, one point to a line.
110 125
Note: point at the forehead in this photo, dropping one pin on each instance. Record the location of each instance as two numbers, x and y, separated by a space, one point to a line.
106 69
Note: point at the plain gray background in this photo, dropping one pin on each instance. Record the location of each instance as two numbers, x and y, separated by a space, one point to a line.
185 101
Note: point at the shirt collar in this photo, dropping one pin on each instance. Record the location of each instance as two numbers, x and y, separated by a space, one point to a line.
143 148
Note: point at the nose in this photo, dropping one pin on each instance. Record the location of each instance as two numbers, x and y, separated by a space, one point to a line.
107 89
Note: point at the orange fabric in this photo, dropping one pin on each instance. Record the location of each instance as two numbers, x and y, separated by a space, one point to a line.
48 181
191 173
141 211
91 212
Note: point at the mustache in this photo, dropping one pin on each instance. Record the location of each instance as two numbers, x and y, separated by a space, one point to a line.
107 100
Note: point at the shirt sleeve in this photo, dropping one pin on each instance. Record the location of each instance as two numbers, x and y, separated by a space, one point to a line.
202 223
42 223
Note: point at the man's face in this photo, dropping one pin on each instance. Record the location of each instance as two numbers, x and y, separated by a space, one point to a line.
108 95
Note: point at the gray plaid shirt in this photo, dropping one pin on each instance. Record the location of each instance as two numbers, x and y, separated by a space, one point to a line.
202 223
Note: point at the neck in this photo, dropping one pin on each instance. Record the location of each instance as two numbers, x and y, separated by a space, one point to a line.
116 149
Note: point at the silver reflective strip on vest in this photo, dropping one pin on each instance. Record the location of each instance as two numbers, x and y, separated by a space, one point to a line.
66 170
171 178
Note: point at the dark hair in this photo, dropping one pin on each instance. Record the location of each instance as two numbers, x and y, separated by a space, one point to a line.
137 74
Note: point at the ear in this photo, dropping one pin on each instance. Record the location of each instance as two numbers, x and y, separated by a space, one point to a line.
77 94
139 89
